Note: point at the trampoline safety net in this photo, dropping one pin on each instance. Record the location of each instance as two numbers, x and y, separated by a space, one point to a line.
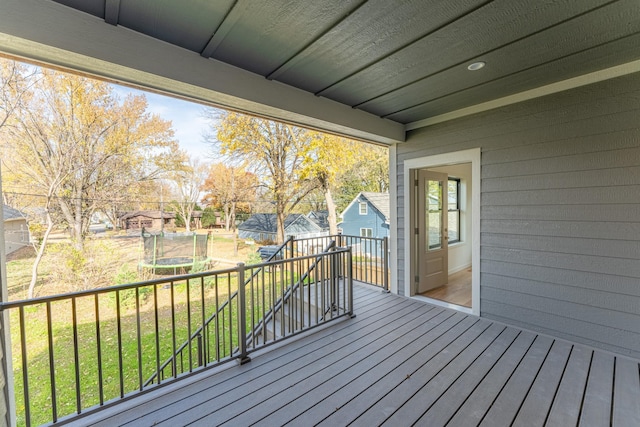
174 249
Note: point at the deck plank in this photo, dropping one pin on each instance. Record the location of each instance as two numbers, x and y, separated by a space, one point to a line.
237 397
391 402
354 406
349 382
481 399
536 406
597 402
374 306
332 376
506 406
447 404
566 407
398 362
626 393
496 337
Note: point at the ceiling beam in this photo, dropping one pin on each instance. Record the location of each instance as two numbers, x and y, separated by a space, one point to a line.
54 34
237 10
111 11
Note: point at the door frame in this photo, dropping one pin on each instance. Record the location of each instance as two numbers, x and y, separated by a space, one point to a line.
466 156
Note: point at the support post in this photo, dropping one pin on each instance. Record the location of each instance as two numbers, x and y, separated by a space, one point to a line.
7 396
385 264
349 278
242 317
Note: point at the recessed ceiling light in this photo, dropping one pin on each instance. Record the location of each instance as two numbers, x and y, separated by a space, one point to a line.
476 66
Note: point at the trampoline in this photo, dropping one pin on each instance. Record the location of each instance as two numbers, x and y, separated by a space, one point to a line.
164 252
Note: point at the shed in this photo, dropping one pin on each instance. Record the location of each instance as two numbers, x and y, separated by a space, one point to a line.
16 229
150 220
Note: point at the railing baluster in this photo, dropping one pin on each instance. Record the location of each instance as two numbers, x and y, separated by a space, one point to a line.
119 338
76 357
189 323
139 339
173 328
25 368
264 304
157 331
242 316
251 307
99 349
205 331
217 322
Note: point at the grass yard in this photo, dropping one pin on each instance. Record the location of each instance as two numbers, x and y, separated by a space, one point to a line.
110 261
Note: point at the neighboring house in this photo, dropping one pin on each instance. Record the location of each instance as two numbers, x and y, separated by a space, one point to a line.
219 220
196 219
367 216
321 218
262 227
16 230
150 220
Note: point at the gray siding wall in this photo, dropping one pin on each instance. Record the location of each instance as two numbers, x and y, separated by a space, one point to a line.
16 235
560 210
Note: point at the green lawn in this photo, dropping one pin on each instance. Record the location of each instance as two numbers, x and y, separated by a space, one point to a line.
135 367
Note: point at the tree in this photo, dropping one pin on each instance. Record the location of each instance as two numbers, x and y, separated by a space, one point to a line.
229 188
327 161
272 150
188 182
369 173
75 132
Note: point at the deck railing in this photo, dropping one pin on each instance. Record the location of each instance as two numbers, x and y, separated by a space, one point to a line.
78 352
176 362
370 255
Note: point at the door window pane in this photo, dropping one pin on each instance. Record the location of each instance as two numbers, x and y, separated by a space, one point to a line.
433 215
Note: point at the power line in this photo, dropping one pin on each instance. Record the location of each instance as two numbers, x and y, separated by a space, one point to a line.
138 201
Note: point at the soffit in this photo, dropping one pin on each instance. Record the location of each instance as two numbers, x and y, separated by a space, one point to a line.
401 61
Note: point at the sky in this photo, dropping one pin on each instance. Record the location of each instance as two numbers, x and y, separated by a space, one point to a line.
186 117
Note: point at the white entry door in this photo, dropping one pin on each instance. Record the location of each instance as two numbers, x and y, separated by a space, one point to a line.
431 224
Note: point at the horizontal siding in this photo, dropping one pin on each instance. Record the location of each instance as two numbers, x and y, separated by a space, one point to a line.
602 299
611 213
586 263
577 179
568 228
560 210
614 339
626 249
571 278
591 161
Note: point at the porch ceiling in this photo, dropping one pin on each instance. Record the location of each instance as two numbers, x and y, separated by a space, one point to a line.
366 68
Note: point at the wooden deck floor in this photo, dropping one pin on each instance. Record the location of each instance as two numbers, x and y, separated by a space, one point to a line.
401 362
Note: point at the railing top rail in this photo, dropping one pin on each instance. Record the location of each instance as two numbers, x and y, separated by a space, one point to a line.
154 282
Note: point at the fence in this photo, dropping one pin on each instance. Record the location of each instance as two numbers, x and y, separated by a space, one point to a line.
81 351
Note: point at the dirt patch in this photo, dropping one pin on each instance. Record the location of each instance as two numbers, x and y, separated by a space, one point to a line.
22 253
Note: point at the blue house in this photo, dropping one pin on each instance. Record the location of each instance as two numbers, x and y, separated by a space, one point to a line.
367 216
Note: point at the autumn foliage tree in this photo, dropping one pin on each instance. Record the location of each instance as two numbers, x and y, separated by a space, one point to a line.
272 150
188 181
74 138
229 188
328 160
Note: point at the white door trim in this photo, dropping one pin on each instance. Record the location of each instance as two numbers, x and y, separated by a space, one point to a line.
466 156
